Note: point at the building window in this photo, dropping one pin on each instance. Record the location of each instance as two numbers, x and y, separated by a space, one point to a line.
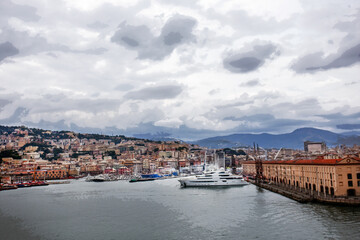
358 183
330 176
340 184
350 183
358 175
349 176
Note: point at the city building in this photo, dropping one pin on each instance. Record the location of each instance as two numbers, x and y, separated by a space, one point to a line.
332 177
314 147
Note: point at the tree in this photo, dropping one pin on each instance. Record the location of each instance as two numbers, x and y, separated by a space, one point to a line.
9 154
111 153
56 152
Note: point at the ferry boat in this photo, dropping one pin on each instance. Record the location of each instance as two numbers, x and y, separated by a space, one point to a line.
214 178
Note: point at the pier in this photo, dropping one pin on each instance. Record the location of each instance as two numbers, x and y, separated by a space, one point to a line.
306 196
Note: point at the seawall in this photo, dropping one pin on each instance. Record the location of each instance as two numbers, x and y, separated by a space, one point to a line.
303 196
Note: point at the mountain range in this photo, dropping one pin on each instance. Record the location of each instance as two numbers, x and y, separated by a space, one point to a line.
294 140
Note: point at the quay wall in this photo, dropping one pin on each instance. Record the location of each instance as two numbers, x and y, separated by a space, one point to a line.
303 196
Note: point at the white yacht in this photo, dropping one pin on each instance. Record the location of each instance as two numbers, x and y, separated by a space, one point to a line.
101 178
213 178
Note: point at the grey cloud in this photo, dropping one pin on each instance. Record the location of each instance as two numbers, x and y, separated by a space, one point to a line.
132 36
7 50
346 59
316 62
214 91
246 24
129 41
28 45
267 122
340 116
124 87
332 116
348 126
176 31
9 9
251 83
159 92
351 83
172 38
98 25
94 51
183 132
234 104
246 64
249 61
341 121
302 64
265 117
349 26
256 117
3 103
60 102
16 117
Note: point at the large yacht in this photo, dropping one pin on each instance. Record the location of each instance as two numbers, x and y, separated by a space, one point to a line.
213 178
101 178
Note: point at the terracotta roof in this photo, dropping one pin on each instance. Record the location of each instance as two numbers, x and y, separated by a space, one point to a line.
318 161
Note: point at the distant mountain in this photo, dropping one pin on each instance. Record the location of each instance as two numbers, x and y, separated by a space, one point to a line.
351 133
293 140
159 136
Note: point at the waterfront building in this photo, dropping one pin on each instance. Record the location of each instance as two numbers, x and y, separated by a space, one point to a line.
328 177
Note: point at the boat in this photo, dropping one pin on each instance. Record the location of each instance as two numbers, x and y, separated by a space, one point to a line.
141 180
101 178
153 176
38 183
213 179
23 184
4 187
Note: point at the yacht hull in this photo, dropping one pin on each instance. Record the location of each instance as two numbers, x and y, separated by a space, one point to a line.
220 183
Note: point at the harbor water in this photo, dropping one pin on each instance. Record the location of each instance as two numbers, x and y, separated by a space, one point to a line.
162 210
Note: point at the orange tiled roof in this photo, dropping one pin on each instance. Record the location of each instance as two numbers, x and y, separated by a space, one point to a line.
318 161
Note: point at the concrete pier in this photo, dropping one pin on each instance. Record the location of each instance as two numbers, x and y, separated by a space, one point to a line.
303 196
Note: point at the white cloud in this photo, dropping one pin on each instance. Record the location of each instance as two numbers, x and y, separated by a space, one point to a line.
166 70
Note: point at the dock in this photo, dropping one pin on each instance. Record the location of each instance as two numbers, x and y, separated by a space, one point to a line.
304 196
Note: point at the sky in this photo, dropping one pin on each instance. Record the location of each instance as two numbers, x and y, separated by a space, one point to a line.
181 69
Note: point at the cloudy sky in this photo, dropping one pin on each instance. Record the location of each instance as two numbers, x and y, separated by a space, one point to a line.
187 69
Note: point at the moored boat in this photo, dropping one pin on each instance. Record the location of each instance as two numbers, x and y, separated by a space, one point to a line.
141 180
214 179
101 178
4 187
